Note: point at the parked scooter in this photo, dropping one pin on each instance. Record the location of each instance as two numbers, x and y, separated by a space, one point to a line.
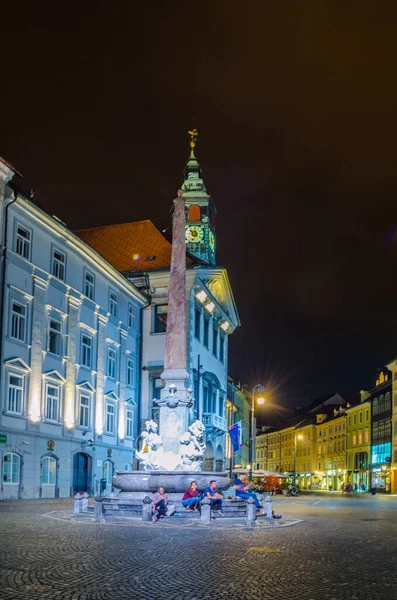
293 490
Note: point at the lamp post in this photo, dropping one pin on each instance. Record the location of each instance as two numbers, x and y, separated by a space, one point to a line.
256 389
299 437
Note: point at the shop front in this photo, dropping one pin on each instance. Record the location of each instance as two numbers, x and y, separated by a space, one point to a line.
381 478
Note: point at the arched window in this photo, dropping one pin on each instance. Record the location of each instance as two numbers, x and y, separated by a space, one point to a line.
375 406
48 470
108 472
11 468
194 213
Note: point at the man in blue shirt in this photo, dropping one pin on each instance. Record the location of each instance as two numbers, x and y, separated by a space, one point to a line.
215 497
243 487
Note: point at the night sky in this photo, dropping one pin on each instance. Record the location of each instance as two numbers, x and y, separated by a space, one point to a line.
295 103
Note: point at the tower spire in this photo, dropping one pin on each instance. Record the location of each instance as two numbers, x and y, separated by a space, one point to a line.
193 133
200 209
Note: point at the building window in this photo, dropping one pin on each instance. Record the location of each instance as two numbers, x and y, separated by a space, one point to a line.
111 366
360 417
366 436
113 303
58 264
360 437
354 419
48 470
206 332
86 350
367 415
109 418
131 317
22 242
387 402
197 323
108 472
15 394
11 468
55 337
354 439
84 411
222 348
89 285
130 423
52 403
130 372
348 421
215 341
375 406
18 321
160 318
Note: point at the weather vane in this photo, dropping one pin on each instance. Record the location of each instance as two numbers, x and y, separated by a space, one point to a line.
193 137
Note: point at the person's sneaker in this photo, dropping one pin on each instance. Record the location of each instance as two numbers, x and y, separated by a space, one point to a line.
189 509
155 519
221 513
212 514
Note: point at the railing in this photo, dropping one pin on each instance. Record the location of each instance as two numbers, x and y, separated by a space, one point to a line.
213 421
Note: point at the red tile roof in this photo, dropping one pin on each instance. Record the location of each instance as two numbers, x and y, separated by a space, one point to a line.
128 246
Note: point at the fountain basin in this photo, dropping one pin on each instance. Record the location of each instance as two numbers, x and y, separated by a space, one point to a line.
135 484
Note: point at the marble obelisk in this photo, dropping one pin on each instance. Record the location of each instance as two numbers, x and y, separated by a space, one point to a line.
175 398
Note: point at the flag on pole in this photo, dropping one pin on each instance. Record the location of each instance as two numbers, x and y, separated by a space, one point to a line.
236 436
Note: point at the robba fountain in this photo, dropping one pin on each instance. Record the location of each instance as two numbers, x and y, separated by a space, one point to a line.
171 455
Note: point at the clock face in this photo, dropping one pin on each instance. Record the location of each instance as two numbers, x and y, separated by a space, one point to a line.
211 239
194 234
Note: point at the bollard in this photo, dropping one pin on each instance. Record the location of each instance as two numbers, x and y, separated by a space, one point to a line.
205 510
77 504
99 507
251 511
147 509
268 507
84 501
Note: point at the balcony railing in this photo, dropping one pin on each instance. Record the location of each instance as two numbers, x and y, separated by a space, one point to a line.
212 421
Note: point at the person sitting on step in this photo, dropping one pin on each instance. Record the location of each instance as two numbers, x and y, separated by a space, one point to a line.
243 489
191 497
215 497
159 506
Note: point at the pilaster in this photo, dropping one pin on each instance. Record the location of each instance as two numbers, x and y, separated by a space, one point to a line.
39 330
100 379
70 386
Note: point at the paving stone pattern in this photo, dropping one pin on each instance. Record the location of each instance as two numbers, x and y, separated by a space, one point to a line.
340 551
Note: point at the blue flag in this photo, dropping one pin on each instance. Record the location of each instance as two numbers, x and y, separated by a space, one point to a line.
236 436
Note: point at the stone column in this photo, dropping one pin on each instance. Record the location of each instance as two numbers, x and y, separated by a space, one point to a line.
100 378
175 398
70 385
39 331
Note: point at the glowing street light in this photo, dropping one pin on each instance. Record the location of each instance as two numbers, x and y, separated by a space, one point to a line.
257 389
296 437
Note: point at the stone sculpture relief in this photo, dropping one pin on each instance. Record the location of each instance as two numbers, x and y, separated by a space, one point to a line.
191 453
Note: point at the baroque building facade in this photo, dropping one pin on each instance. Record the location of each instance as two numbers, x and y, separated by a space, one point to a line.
70 356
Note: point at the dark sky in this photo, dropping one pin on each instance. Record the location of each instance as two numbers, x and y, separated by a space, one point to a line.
295 103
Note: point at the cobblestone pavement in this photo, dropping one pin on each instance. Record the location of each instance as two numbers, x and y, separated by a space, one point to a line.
344 549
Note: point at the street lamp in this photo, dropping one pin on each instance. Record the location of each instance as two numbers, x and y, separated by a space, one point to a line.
299 437
256 389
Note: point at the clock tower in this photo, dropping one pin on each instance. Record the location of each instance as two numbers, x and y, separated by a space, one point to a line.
200 210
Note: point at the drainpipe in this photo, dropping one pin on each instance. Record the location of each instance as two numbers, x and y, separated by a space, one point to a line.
3 274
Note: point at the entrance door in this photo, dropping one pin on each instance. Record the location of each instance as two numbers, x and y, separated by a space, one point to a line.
80 473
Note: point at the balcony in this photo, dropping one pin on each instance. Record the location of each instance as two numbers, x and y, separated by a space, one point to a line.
214 424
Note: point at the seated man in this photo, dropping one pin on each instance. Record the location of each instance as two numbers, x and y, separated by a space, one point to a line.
243 487
215 497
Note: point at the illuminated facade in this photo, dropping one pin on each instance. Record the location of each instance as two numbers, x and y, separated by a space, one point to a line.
358 442
381 431
393 369
70 357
